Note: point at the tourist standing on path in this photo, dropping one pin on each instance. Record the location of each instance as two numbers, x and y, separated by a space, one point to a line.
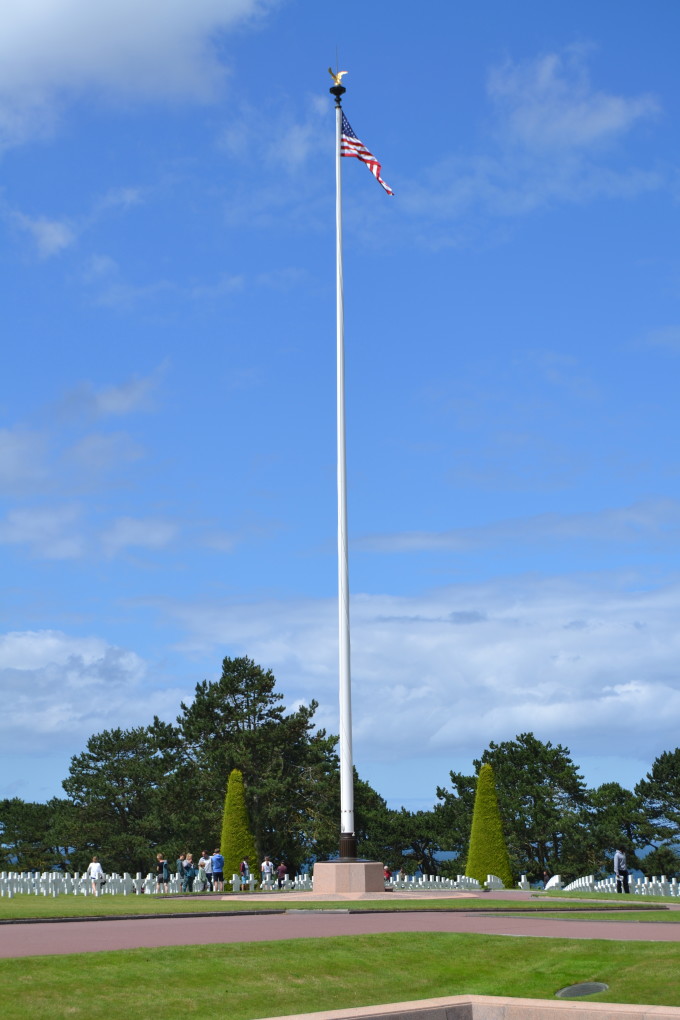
218 871
201 876
621 871
281 873
207 867
162 873
96 874
267 870
190 872
180 868
245 871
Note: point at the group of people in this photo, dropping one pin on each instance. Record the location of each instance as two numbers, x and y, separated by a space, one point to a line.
207 873
196 876
267 871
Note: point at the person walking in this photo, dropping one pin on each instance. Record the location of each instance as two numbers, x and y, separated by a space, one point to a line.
96 875
282 873
621 872
244 869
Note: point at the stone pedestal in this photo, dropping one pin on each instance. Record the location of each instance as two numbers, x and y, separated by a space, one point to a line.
336 877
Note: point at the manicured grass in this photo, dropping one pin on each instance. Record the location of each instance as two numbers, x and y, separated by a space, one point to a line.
247 981
112 906
614 897
26 906
667 916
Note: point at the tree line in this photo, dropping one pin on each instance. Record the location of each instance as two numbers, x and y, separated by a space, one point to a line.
161 787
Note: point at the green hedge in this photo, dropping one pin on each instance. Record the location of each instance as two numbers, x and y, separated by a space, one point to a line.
488 853
237 840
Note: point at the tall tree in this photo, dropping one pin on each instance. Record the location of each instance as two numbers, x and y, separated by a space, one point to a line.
659 793
488 854
239 722
544 806
118 790
453 819
543 803
27 838
237 840
618 822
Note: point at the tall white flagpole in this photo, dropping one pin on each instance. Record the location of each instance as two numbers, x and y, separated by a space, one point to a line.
347 835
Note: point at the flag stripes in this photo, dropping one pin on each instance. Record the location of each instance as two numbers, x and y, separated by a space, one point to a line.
351 146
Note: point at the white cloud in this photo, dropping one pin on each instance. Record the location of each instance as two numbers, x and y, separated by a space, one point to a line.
276 136
53 532
118 198
590 662
121 49
127 532
22 459
550 103
667 337
102 453
551 142
116 400
640 521
57 689
50 236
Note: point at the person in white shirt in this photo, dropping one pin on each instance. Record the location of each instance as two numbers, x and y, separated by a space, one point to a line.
267 870
203 863
95 874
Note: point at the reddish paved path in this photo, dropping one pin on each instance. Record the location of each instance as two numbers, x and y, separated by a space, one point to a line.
94 936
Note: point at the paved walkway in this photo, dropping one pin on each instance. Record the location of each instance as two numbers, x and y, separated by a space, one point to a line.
53 938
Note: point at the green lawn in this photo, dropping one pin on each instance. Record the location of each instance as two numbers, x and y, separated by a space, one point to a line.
650 914
614 897
247 981
28 906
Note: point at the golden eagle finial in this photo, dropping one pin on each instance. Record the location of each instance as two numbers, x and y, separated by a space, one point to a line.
336 76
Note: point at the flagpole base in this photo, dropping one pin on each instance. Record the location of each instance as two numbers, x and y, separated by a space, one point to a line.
348 846
348 877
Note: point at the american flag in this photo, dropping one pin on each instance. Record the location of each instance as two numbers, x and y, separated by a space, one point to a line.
351 146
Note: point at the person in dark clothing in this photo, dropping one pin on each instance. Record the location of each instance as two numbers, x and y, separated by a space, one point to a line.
621 872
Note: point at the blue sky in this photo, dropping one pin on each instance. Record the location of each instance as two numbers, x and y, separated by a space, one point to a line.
167 431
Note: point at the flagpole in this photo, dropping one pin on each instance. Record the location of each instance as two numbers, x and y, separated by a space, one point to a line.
347 834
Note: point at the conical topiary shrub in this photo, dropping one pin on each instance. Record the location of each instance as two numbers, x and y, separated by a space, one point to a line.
487 854
237 840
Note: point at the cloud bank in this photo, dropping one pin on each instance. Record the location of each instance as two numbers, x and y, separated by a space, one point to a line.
51 50
589 661
553 138
59 689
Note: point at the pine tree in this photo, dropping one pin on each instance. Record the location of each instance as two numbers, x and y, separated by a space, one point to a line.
545 808
488 853
237 840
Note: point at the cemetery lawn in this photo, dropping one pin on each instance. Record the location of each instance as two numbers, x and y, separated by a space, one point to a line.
245 981
604 896
665 916
30 906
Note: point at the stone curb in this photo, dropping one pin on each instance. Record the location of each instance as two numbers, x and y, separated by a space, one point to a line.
492 1007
